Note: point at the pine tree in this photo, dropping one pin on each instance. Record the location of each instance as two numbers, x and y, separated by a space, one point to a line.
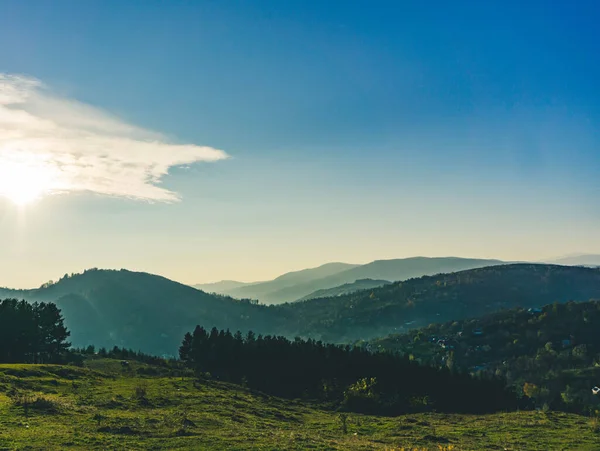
185 350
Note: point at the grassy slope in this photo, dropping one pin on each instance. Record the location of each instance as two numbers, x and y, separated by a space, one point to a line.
95 408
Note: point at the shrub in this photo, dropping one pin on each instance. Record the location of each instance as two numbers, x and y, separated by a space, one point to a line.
362 396
30 401
140 393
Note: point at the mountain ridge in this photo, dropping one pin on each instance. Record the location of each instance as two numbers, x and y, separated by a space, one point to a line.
283 289
348 288
270 292
418 302
577 259
151 313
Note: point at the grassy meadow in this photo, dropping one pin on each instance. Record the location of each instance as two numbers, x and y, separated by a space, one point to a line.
104 406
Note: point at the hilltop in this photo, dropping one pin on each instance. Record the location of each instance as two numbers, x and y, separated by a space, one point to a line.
138 310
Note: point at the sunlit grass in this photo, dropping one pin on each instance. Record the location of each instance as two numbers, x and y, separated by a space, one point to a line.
109 407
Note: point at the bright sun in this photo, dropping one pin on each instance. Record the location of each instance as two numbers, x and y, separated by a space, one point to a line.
24 182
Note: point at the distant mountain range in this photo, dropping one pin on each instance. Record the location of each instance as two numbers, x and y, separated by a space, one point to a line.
578 260
347 288
151 313
287 287
302 284
222 286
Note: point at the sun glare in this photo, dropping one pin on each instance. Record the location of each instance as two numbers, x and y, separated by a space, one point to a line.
25 182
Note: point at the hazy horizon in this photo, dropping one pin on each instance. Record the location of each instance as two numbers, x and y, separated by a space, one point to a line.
275 274
293 224
204 142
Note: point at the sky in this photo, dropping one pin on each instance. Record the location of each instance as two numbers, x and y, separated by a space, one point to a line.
206 140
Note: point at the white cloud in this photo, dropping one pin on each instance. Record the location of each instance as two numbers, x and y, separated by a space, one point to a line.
51 144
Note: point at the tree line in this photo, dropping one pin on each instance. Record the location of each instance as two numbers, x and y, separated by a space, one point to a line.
31 332
351 377
124 354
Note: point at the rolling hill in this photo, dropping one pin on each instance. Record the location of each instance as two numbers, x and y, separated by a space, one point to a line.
101 406
555 348
301 284
151 313
347 288
284 287
138 310
223 286
403 269
432 299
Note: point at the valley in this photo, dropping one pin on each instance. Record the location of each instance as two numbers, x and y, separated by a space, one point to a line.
299 225
151 313
528 329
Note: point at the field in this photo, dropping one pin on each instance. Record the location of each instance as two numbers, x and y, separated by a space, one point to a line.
104 405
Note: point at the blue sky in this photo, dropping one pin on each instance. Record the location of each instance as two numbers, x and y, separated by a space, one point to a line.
355 130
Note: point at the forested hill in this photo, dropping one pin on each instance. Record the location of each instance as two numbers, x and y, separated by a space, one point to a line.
299 284
139 310
393 270
347 288
551 353
150 313
432 299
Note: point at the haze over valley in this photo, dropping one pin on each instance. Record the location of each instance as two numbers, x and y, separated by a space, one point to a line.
290 225
150 313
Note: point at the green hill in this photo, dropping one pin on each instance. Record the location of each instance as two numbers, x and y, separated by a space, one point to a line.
151 313
553 352
418 302
139 310
107 406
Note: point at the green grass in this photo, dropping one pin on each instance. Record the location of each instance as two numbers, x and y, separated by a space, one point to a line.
104 406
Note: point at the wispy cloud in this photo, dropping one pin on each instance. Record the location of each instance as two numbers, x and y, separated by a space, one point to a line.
69 146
